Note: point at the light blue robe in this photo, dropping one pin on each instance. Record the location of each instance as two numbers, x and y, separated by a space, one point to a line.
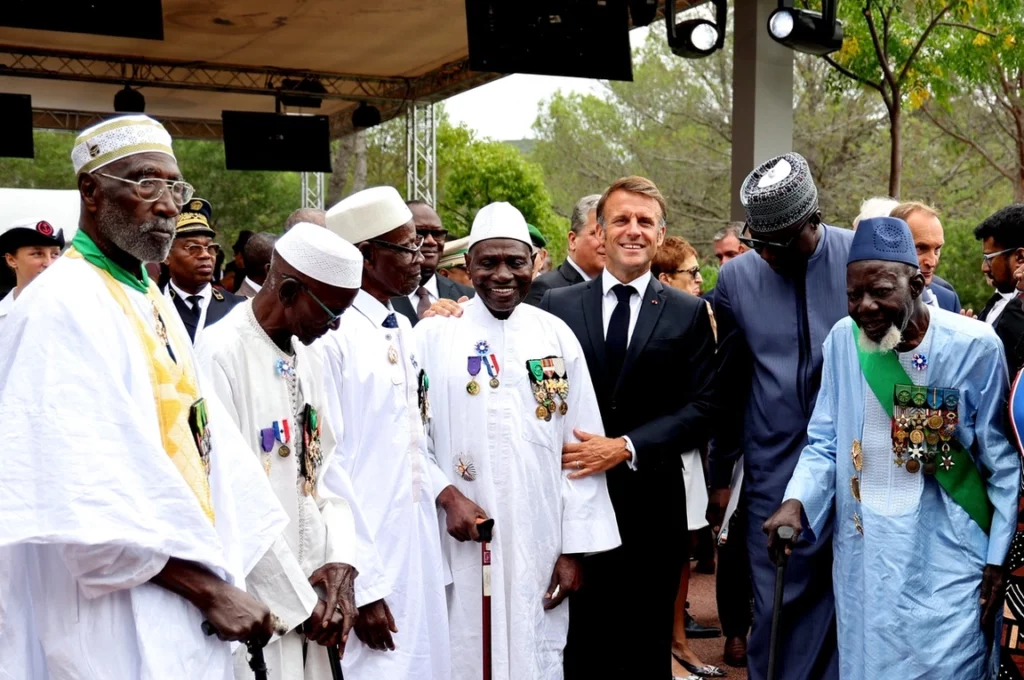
907 590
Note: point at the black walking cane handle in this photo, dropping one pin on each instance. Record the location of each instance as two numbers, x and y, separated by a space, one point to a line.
786 535
485 530
256 660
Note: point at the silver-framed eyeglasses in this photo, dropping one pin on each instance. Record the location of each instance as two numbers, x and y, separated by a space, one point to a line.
151 189
400 248
196 250
991 256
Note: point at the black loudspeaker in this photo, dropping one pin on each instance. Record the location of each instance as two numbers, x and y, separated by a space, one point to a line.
16 122
581 38
271 141
122 18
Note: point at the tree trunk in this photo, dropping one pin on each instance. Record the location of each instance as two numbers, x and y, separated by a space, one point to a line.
895 146
359 175
339 176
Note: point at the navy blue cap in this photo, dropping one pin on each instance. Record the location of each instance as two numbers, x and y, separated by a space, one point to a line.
883 238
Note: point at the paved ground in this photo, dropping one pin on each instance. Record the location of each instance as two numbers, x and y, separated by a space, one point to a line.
703 609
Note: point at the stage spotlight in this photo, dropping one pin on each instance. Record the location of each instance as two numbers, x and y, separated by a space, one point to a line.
806 31
365 116
695 38
129 101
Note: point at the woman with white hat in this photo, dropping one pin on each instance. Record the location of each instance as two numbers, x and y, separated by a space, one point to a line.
29 247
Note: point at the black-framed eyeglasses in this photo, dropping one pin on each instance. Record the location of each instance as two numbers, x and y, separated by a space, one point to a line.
196 250
437 234
151 189
692 271
331 316
400 248
758 245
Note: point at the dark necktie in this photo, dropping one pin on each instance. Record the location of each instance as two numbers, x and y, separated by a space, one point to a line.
390 321
424 303
193 301
617 339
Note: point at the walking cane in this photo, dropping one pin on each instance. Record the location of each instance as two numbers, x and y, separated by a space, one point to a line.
785 534
256 661
335 660
485 529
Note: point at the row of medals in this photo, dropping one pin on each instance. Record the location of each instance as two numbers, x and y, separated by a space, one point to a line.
919 435
546 392
473 387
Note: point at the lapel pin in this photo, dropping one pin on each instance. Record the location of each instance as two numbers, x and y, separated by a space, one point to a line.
654 302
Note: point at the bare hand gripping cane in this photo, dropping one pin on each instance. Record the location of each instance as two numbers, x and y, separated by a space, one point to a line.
785 534
256 661
485 529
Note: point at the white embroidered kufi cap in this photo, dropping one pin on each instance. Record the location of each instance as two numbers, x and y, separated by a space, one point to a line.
118 138
321 255
368 214
499 220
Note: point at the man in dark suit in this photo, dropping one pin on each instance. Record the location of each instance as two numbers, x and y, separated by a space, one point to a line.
650 352
1002 240
929 238
586 252
432 287
190 263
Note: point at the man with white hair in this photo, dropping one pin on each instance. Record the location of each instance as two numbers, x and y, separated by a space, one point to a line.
132 511
377 388
876 206
510 387
264 371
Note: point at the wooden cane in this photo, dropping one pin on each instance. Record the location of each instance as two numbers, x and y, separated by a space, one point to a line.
785 534
485 528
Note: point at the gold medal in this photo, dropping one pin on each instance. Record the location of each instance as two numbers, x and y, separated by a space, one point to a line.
494 383
855 487
901 436
563 408
913 465
542 412
932 438
473 387
935 422
858 456
284 451
916 437
392 354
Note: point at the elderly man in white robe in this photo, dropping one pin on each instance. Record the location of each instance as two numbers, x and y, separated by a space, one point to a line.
378 390
272 383
131 510
509 387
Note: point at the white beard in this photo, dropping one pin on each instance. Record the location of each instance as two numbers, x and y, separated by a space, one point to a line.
889 342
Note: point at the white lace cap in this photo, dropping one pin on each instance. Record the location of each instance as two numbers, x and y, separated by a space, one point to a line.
499 220
321 255
118 138
368 214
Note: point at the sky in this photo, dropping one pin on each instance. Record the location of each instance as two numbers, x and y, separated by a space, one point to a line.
506 108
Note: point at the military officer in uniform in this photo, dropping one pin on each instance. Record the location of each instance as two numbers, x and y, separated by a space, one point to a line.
191 262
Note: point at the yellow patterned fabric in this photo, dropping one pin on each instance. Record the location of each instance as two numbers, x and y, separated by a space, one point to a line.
175 387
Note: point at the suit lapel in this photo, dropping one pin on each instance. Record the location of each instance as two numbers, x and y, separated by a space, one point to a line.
647 319
593 317
569 273
989 305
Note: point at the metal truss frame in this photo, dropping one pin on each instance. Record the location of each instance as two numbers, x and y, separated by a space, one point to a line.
313 195
73 121
421 152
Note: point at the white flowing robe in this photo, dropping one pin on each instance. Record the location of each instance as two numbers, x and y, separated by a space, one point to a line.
93 507
241 361
907 589
539 512
383 449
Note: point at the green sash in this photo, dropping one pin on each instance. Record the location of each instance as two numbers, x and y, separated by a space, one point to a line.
962 481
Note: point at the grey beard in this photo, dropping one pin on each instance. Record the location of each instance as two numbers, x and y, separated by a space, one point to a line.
890 341
136 239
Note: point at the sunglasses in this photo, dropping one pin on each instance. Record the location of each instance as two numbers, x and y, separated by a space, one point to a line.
758 245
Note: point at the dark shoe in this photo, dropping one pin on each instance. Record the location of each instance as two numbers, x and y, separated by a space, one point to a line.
706 566
694 630
706 671
736 652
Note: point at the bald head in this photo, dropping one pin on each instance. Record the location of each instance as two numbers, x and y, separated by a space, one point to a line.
312 215
257 254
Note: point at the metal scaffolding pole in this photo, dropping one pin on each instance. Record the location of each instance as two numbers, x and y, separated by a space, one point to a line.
421 152
313 190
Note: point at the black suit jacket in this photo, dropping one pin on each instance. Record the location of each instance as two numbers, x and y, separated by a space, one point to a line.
1010 329
663 399
447 290
562 277
221 302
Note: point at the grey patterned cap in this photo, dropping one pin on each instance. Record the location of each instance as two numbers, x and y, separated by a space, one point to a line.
779 193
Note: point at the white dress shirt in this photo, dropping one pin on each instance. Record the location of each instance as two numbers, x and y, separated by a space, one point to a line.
431 286
998 307
608 304
929 297
6 304
572 263
204 303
